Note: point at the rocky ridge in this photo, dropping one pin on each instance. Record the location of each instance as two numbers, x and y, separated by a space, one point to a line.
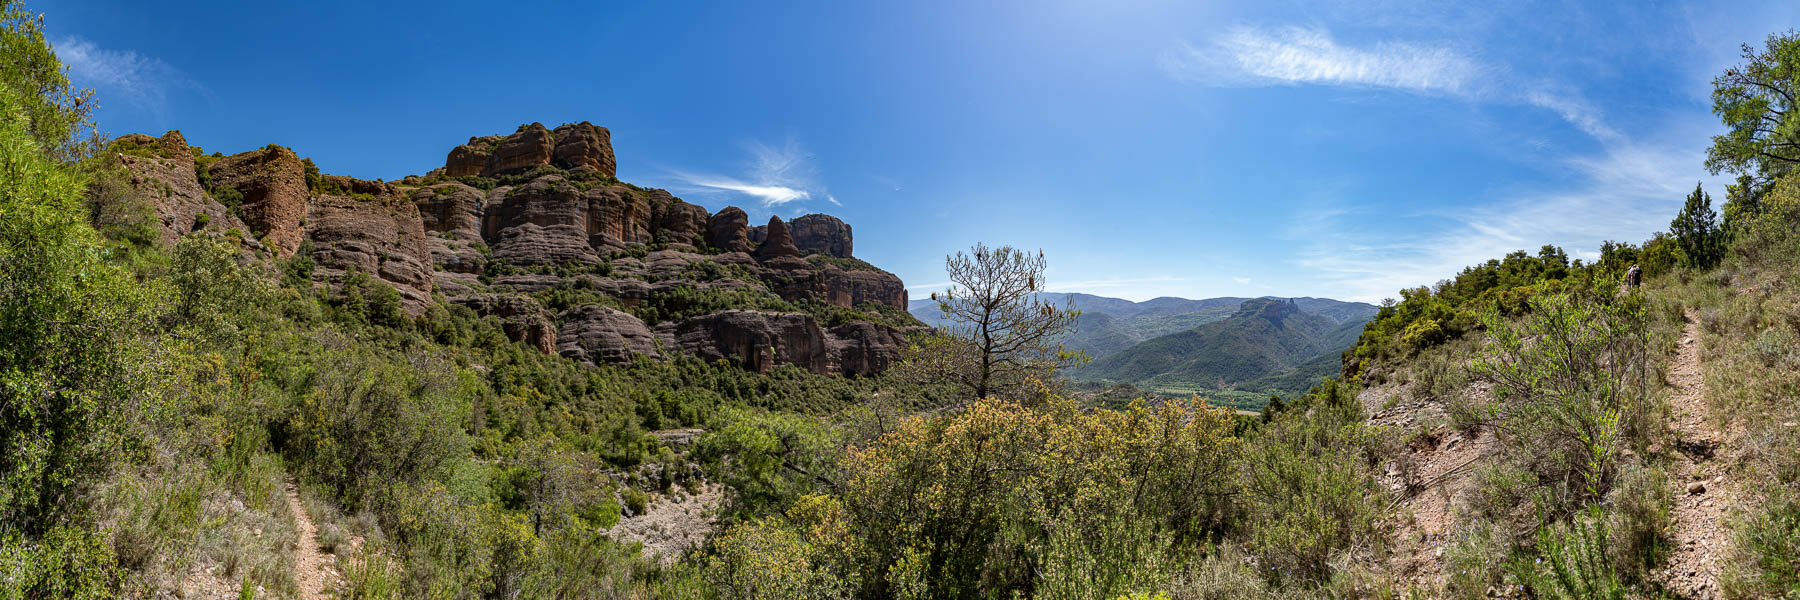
534 230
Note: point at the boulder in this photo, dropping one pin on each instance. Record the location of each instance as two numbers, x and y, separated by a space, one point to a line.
523 319
822 234
778 243
532 146
383 237
757 340
726 230
273 183
583 147
602 335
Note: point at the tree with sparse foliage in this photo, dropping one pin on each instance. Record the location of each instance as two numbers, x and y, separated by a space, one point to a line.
1002 332
1697 231
1756 100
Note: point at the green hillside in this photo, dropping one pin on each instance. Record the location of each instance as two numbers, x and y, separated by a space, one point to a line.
1263 337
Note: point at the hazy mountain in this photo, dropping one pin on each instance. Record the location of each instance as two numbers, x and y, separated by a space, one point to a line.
1110 325
1265 344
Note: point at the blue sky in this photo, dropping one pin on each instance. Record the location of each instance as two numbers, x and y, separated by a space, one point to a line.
1338 149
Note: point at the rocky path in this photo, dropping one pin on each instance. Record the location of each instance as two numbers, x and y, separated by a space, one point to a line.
1698 537
313 570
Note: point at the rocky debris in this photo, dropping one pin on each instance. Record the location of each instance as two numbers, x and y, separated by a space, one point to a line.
1698 487
726 230
777 243
172 188
273 183
383 238
678 223
822 234
532 146
523 319
583 147
602 335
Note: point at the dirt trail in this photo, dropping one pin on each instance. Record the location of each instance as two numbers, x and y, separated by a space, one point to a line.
1698 537
314 572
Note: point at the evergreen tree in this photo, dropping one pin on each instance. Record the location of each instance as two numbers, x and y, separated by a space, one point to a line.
1697 231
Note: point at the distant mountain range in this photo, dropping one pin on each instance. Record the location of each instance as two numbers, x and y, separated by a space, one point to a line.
1271 345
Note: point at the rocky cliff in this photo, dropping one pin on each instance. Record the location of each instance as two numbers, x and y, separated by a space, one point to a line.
535 231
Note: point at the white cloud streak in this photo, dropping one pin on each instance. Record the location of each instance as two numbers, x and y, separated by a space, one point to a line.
769 195
1249 56
140 81
1253 57
776 176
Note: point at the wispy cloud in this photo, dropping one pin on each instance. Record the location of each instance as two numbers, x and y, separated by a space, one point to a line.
1241 280
139 81
770 195
775 176
1623 194
1250 57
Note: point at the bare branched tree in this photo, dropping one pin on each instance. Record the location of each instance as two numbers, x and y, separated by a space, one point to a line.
1002 332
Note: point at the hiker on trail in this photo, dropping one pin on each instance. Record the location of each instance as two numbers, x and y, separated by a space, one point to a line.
1633 275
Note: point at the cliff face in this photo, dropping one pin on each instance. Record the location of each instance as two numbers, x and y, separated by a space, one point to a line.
510 221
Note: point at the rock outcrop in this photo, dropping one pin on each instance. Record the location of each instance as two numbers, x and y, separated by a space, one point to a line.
523 319
578 147
544 222
726 230
583 148
601 335
273 184
865 348
166 180
567 225
383 237
823 234
776 243
759 341
678 223
532 146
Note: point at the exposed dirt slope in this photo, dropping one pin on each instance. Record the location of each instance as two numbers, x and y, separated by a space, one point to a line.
1703 489
314 569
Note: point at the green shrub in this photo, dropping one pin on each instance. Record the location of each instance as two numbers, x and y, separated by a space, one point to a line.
1571 390
1574 563
66 562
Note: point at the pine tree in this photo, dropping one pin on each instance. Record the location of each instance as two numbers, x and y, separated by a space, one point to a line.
1697 231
